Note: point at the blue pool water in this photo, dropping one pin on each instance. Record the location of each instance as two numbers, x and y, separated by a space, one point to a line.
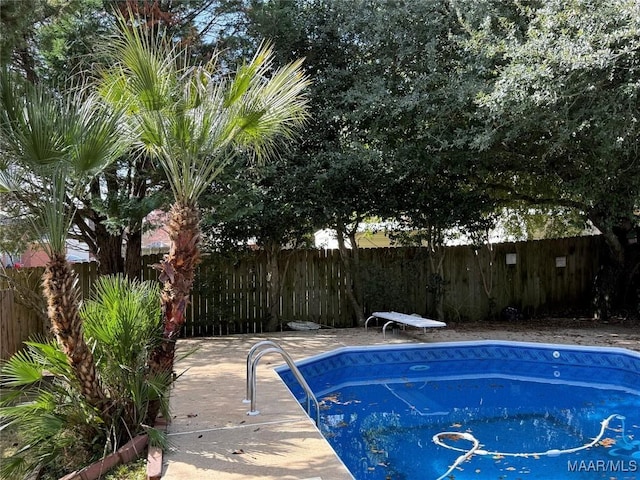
495 410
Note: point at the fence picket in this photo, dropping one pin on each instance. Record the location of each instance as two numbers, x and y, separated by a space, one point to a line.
230 295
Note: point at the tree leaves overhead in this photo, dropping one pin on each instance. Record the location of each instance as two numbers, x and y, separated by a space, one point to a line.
389 103
565 105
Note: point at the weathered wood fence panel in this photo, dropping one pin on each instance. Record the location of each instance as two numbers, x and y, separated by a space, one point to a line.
17 324
231 295
547 276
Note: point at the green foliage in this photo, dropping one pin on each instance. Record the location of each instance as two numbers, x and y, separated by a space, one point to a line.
60 143
536 224
393 114
17 20
123 319
56 428
268 204
66 40
561 111
386 292
15 230
52 421
191 119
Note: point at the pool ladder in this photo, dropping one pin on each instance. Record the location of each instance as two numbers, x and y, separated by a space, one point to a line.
258 351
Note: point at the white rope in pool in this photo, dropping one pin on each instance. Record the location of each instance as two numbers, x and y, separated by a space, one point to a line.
476 450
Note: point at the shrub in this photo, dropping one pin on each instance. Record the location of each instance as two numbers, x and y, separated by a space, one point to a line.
57 429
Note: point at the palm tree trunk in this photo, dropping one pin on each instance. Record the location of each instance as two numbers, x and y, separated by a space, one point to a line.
60 284
177 273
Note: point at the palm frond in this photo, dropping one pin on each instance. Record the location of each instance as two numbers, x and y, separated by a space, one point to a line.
97 137
63 141
247 73
27 366
30 122
20 370
9 182
44 423
50 358
195 150
53 223
192 120
123 318
158 438
272 110
16 466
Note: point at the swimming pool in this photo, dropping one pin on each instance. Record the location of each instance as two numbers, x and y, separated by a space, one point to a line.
489 409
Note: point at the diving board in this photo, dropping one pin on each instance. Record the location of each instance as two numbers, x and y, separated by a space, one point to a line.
404 319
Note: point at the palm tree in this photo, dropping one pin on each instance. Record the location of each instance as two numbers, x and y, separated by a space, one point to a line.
57 429
60 141
194 120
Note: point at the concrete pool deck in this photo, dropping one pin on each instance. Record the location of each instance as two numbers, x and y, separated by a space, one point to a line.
212 437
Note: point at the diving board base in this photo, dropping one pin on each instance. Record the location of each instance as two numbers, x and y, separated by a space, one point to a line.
404 320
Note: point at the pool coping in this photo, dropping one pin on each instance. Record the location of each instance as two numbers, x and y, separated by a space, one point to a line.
552 363
213 437
466 343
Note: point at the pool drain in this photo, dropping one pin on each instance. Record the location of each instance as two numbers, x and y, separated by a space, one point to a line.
419 368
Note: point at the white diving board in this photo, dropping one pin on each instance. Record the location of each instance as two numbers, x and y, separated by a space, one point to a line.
404 319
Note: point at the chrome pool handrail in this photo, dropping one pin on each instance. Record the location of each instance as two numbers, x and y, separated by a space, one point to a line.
250 355
252 361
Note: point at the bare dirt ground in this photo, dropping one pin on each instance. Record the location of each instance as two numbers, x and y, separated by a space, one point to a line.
575 331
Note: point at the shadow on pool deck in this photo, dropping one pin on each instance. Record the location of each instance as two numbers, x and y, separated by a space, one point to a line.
212 436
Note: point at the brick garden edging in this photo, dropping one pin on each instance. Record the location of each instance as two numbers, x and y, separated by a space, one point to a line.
125 454
154 455
129 452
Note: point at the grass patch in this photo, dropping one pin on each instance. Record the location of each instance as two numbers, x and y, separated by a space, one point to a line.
8 442
131 471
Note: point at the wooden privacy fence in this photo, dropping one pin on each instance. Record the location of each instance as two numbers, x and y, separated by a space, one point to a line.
231 295
536 277
17 324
